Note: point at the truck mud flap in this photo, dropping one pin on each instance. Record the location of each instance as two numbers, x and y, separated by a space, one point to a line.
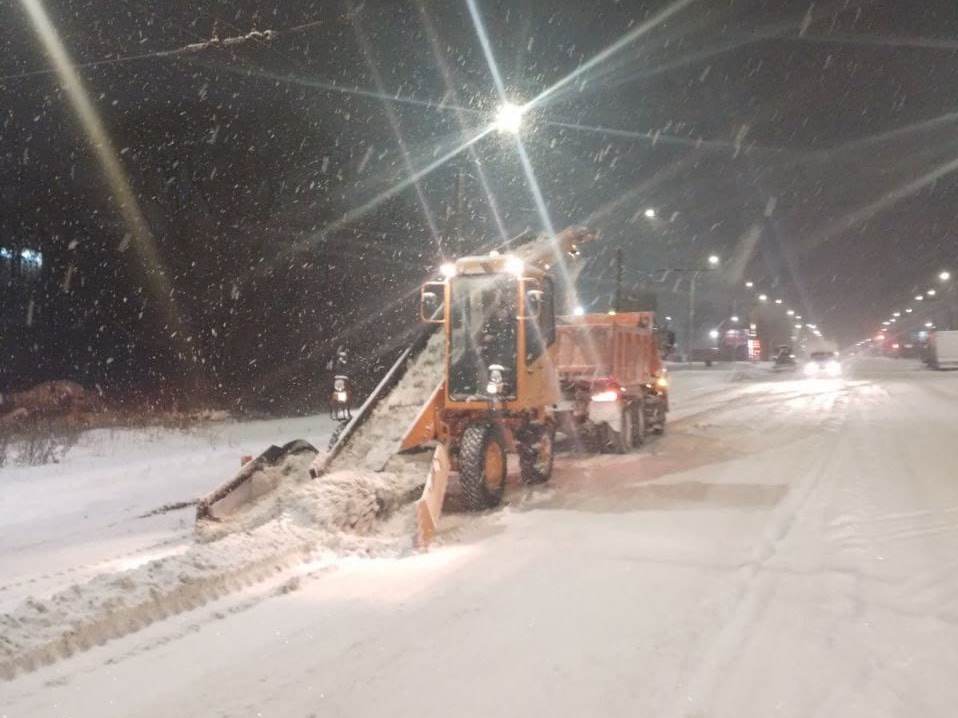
256 478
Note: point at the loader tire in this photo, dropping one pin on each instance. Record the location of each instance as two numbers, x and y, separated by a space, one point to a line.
536 454
482 466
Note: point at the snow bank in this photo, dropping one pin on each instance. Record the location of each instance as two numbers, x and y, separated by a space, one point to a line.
339 513
343 511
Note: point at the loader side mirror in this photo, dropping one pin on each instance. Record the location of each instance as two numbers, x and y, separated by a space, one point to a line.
432 302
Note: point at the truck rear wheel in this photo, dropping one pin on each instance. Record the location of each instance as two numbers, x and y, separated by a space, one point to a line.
482 466
536 454
640 424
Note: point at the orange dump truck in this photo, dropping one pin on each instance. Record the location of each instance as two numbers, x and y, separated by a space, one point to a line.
613 383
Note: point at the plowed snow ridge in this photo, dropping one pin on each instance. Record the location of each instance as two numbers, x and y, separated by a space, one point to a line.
344 511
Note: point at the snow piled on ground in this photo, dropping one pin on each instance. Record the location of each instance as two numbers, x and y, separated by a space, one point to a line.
356 508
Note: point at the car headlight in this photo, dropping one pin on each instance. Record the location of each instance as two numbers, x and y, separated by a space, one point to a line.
833 368
811 368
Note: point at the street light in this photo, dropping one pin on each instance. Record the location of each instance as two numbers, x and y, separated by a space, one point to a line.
734 318
919 297
908 310
929 325
509 118
714 260
944 276
931 292
749 285
779 301
650 213
763 297
790 312
714 334
896 314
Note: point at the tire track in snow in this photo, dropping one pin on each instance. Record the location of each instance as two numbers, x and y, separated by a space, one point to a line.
756 585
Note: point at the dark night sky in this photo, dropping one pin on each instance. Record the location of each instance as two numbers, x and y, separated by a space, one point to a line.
806 143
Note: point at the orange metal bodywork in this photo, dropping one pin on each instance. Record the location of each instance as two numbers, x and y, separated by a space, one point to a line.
622 347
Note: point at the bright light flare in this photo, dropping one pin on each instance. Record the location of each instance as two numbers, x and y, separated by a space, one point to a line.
579 311
448 270
714 334
650 213
714 260
944 276
509 118
606 396
515 266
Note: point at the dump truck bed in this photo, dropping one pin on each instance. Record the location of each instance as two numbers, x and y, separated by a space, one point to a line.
620 347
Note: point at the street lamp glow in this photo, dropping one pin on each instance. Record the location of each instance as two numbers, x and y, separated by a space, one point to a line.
749 285
908 310
790 312
929 325
714 334
579 311
931 292
779 301
920 298
763 297
650 213
944 276
713 260
896 314
734 318
885 324
509 118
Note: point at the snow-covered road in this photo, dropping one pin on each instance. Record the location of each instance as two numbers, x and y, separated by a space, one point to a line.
789 548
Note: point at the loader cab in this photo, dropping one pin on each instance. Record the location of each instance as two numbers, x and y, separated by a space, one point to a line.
500 326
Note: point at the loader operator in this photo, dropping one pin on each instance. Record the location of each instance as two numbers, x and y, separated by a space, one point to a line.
498 334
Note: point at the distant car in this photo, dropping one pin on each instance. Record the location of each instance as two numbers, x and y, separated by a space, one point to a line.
823 364
784 359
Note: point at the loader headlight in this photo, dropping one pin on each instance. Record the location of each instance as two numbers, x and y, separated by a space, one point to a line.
494 387
833 368
662 382
811 369
341 397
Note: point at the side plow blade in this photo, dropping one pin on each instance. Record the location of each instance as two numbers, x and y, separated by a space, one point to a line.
429 505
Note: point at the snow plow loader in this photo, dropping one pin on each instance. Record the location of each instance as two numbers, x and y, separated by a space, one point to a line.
502 374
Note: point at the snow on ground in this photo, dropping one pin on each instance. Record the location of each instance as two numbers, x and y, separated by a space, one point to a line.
787 548
63 522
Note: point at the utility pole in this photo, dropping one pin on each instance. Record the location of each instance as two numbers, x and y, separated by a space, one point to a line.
689 335
617 299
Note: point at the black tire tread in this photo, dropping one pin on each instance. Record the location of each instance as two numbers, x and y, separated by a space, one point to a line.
471 456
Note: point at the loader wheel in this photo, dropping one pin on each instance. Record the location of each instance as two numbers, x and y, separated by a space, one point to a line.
536 454
482 466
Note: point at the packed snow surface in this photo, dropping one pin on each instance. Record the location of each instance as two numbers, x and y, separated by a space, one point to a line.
787 548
